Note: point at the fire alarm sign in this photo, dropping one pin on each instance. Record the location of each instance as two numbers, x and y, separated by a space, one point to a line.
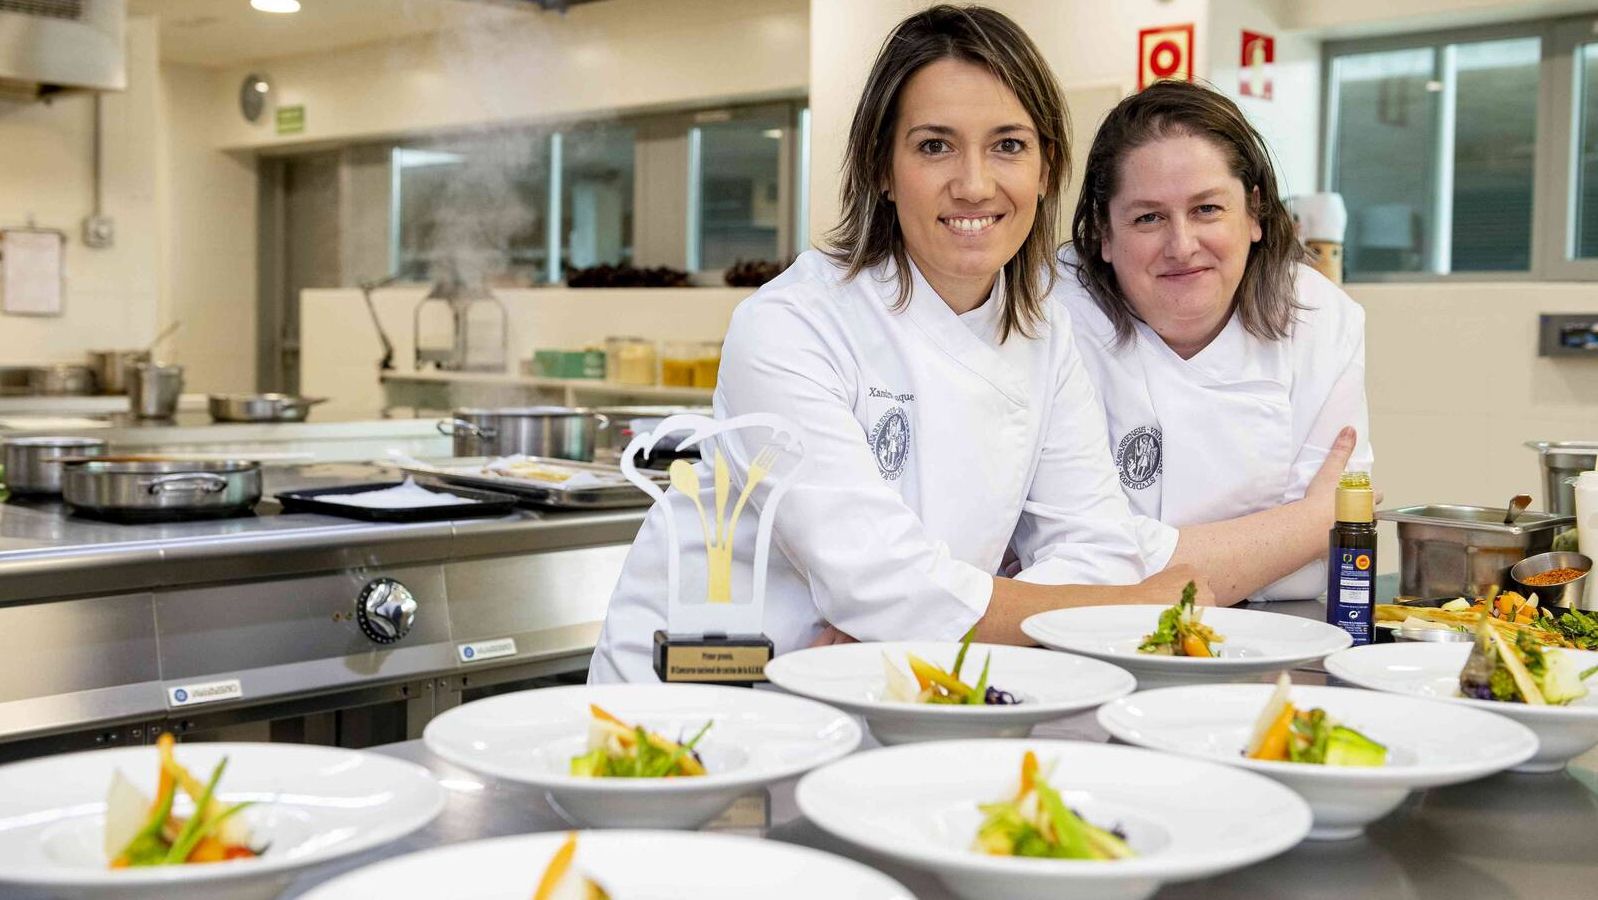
1164 53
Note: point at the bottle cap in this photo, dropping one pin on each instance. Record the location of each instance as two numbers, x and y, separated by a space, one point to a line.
1356 502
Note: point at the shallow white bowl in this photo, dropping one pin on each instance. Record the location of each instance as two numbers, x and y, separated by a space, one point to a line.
628 864
314 804
1432 670
1428 744
1185 818
1050 685
1258 643
758 737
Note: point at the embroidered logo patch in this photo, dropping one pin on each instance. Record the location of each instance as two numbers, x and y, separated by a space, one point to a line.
1139 457
890 442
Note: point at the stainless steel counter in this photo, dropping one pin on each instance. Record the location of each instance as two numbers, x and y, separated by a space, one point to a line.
46 552
1507 836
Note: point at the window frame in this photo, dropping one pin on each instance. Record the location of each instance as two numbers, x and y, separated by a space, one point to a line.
1554 154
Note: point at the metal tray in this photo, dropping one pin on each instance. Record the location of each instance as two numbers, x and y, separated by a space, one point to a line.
622 496
489 503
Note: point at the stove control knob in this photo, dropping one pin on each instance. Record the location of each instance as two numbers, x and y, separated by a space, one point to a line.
386 610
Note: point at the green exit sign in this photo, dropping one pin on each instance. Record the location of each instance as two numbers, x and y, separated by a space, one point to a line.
290 119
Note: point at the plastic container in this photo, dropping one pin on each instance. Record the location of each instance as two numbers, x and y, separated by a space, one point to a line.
1587 526
630 360
678 360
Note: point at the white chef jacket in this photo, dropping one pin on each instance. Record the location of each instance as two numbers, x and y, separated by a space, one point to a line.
929 446
1241 427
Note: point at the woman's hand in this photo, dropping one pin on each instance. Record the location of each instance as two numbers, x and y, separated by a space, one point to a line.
830 635
1322 491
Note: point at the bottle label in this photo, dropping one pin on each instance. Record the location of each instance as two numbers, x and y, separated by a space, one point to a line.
1348 599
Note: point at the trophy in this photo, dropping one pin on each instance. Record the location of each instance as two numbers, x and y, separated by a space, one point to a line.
714 636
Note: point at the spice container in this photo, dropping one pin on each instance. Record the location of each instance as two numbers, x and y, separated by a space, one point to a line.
707 363
677 363
630 360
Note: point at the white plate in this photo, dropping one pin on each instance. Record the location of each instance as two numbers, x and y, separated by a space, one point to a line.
630 865
1428 744
1257 643
1432 670
314 804
758 737
1050 685
1185 818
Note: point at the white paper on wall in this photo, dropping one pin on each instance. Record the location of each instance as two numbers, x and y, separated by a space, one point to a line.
31 272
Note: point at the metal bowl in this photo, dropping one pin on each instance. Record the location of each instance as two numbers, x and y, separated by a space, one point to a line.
1567 595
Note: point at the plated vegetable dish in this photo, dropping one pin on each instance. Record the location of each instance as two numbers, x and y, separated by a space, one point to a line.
619 750
562 881
142 832
1519 669
932 684
1181 631
1037 823
1286 733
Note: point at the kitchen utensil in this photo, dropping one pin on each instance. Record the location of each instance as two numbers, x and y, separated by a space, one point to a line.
1432 671
1428 744
1048 685
33 464
484 504
626 863
60 380
755 738
1517 505
1185 818
1568 595
1453 551
310 805
758 469
260 407
111 368
143 490
1562 461
686 480
154 389
616 492
562 432
1257 642
162 335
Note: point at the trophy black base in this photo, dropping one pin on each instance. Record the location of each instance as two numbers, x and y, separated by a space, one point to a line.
731 659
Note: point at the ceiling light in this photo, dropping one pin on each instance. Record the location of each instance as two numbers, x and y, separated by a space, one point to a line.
276 6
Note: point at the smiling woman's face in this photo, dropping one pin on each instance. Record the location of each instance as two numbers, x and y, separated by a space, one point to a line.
1179 238
967 172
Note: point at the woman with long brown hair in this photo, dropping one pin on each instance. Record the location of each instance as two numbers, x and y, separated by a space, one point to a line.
945 411
1232 375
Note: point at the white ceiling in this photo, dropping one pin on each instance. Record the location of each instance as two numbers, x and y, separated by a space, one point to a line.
227 32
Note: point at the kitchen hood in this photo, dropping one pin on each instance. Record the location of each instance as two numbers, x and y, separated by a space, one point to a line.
51 46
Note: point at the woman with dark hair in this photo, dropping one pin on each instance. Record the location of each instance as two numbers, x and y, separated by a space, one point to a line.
1232 375
944 408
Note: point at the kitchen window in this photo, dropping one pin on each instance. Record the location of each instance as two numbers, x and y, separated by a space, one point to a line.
696 191
1470 154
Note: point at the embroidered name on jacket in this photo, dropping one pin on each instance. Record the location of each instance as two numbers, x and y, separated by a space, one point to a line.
1139 457
890 442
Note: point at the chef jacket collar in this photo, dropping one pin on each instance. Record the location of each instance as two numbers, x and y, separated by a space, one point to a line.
928 311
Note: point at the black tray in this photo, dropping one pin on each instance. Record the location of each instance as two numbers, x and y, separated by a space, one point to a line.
489 503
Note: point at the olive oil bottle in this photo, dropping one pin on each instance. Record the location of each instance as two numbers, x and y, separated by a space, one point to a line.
1351 568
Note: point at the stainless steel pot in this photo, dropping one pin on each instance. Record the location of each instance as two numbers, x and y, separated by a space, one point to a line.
160 490
111 368
154 389
61 380
562 432
261 407
33 464
1562 461
1461 551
